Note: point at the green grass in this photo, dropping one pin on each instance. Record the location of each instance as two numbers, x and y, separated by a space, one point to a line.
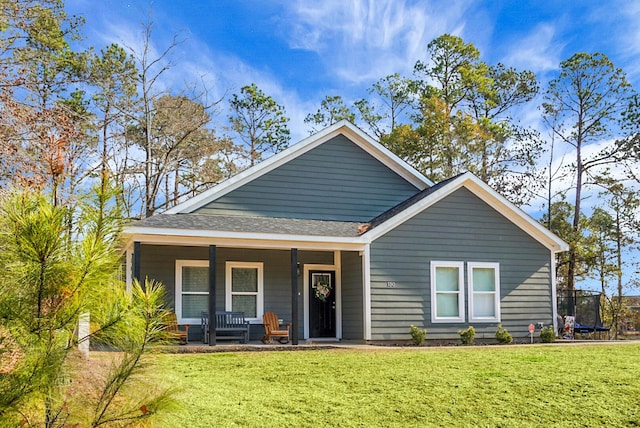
528 386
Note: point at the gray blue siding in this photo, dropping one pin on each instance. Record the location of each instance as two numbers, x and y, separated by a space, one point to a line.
352 292
335 181
460 227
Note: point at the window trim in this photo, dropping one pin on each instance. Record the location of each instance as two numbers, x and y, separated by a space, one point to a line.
178 297
496 269
461 292
259 294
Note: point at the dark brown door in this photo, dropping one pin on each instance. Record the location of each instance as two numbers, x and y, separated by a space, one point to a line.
322 303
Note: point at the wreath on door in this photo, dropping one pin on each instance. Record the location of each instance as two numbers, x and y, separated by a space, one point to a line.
322 290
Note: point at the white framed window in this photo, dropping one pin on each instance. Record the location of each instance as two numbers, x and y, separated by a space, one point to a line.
484 291
244 285
447 292
192 290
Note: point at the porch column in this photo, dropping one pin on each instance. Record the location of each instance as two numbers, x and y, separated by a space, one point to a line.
294 296
212 295
136 261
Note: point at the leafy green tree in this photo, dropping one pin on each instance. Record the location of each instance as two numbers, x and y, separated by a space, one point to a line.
37 36
259 121
503 153
332 110
42 113
586 103
560 223
602 230
390 98
624 223
437 144
113 73
463 123
47 279
451 60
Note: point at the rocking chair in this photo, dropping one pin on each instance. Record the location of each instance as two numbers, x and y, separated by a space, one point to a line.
273 329
175 330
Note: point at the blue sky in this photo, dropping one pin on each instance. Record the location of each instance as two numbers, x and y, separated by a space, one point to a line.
300 51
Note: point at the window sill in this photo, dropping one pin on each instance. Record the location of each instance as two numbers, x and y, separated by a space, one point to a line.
447 320
485 320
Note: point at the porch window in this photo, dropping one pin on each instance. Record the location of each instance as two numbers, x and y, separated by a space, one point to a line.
484 291
192 290
244 288
447 292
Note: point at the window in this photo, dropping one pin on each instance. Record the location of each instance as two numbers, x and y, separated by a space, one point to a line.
484 291
447 292
244 288
192 290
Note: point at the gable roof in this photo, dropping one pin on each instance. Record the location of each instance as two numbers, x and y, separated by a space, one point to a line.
421 201
350 131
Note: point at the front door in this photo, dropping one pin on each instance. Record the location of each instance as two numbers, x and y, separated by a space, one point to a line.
322 303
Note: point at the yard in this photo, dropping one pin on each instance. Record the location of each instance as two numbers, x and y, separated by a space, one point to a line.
587 385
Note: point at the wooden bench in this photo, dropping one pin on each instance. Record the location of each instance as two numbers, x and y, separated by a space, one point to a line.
229 325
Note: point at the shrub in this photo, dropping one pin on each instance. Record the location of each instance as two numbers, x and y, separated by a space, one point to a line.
503 336
548 334
467 336
418 335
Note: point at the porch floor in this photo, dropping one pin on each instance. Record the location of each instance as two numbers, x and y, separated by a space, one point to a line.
257 345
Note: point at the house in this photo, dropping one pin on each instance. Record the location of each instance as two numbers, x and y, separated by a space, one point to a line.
343 239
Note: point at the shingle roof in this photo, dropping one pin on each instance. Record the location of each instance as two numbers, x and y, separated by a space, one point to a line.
251 224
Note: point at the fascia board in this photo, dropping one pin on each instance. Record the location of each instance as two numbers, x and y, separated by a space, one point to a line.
344 127
489 196
253 241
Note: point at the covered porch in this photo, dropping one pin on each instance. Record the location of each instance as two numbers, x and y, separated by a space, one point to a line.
317 287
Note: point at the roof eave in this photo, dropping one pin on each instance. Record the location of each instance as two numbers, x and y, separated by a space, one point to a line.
170 236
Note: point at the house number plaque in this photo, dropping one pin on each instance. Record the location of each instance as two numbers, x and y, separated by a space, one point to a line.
391 284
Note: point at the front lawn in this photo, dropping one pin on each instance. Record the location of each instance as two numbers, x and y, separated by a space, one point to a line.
480 386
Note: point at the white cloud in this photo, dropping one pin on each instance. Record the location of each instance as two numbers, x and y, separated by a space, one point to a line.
224 75
539 51
628 38
362 41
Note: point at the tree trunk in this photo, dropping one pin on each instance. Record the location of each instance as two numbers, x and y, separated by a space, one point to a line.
619 270
573 254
